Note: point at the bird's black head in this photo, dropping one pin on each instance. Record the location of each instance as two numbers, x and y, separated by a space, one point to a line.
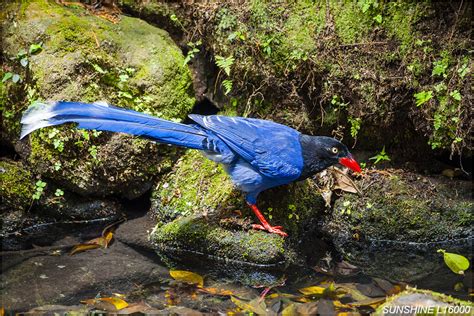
321 152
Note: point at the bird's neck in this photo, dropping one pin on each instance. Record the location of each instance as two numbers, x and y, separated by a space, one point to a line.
312 164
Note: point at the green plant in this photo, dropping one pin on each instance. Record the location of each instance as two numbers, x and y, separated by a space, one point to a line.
227 84
423 97
355 126
39 189
57 165
381 156
440 66
193 49
59 192
93 151
224 63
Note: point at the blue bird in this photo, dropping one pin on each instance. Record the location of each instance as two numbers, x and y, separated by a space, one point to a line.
257 154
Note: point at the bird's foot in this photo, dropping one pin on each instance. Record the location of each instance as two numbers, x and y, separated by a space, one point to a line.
271 229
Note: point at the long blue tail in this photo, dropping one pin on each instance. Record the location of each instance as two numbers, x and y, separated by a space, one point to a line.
100 116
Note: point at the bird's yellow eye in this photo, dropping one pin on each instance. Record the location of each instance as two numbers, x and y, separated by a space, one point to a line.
334 150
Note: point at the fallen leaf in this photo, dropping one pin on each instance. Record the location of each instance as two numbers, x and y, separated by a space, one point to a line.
346 269
116 302
255 306
285 295
307 309
137 308
215 291
290 310
312 290
100 242
83 247
187 277
344 183
326 307
457 263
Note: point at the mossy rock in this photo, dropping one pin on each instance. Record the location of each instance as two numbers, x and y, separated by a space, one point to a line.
439 303
198 209
25 219
87 58
16 186
395 229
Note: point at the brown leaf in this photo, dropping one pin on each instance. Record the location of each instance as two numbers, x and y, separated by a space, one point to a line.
344 183
346 269
326 308
215 291
307 309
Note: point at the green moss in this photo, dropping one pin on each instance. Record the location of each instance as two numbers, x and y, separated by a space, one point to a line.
402 216
86 58
196 184
199 235
350 22
16 186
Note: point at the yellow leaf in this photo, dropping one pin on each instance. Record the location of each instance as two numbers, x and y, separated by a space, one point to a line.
285 295
117 302
290 310
187 277
215 291
256 305
83 247
108 238
312 290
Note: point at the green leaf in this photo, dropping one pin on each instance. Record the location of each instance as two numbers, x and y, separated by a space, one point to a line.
440 67
423 97
59 192
36 48
457 263
98 69
225 63
6 76
378 18
456 95
227 84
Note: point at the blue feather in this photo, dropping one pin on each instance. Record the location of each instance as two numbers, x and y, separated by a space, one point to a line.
257 154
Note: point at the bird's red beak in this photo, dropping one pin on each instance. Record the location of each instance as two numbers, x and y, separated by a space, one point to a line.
350 163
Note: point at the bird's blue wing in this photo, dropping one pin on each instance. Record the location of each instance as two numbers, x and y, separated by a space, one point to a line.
273 149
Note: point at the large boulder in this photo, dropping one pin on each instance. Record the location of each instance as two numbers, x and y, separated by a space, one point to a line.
200 212
87 58
395 229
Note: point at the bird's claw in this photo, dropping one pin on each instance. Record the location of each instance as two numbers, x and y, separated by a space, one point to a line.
271 229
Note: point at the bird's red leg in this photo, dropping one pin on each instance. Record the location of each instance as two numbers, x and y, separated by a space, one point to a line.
265 225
